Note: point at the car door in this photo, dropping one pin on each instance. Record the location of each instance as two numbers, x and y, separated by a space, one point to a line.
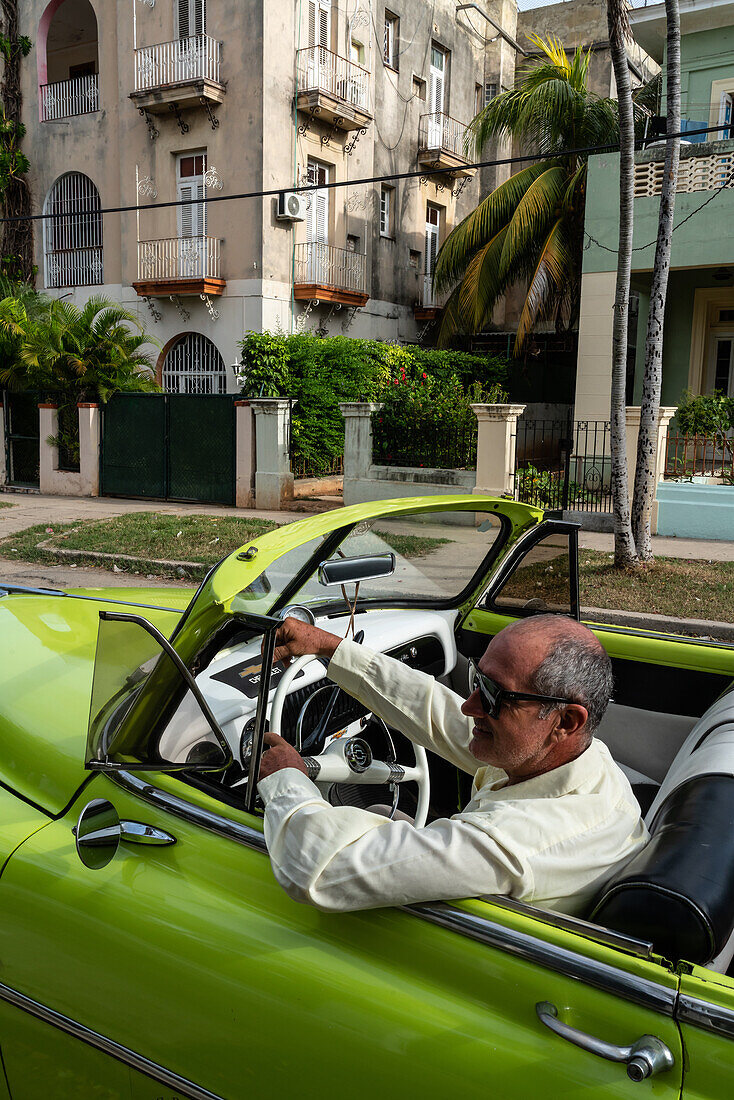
706 1017
187 967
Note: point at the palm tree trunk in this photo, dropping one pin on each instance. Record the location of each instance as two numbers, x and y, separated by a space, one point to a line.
644 493
624 546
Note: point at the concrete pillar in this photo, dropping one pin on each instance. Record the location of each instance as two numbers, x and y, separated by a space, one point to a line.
3 464
246 456
666 414
593 398
357 438
496 447
48 425
90 439
273 477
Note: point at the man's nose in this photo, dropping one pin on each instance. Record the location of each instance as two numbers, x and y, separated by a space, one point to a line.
472 707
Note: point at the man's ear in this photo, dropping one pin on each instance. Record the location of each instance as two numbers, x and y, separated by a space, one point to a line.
571 718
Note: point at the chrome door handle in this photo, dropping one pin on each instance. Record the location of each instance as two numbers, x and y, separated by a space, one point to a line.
644 1058
98 833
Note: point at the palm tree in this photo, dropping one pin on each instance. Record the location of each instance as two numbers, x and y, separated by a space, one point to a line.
85 354
530 228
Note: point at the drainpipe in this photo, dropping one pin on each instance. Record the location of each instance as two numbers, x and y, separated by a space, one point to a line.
503 34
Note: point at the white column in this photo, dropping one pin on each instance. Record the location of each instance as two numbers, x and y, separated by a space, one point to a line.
246 456
665 415
273 477
496 447
90 438
48 425
594 371
357 438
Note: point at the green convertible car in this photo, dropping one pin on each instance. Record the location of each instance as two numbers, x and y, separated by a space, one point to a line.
145 947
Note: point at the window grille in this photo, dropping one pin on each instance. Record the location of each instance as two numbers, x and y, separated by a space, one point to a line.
73 234
194 365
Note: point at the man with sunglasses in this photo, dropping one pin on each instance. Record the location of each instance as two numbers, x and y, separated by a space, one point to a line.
551 816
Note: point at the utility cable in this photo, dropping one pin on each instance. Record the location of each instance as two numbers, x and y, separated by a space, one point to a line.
271 192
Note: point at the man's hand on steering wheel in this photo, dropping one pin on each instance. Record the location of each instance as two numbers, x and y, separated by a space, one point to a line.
295 638
280 754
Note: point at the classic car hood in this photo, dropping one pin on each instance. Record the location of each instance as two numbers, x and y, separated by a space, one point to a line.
47 648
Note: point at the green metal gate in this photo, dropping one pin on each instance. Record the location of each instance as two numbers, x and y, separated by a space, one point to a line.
22 439
169 446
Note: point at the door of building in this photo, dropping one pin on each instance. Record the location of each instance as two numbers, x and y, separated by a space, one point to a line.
433 218
436 96
721 363
191 218
317 224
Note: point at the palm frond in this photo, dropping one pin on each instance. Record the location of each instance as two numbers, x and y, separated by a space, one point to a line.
553 270
483 283
538 208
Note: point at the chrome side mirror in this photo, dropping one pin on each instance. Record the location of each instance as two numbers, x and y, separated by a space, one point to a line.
369 567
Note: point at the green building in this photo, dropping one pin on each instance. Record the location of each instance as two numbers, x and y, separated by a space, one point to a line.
699 324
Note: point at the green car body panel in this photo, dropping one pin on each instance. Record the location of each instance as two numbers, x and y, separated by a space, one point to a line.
191 956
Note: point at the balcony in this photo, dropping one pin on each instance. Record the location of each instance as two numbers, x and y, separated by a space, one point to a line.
330 274
175 75
441 144
333 89
66 98
703 167
180 266
428 309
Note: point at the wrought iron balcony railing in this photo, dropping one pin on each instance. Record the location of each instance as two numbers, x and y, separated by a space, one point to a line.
65 98
429 295
179 62
441 132
179 258
320 70
325 265
74 267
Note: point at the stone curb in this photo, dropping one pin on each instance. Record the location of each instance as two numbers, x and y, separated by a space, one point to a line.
99 555
701 628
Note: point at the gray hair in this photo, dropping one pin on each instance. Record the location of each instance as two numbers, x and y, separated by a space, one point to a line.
579 670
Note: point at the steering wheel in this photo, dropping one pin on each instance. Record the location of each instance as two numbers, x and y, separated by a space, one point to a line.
349 759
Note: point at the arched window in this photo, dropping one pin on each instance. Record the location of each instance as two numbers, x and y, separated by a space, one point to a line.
73 233
193 365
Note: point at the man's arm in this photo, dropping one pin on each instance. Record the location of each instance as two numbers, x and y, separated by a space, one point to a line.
340 858
410 701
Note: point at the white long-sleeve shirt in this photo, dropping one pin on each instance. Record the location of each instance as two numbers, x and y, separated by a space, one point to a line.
551 841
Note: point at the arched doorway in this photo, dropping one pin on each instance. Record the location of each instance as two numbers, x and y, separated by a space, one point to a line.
73 234
193 365
68 60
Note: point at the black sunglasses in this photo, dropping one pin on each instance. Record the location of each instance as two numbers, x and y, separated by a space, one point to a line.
493 696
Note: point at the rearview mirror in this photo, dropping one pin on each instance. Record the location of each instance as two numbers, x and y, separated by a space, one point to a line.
339 571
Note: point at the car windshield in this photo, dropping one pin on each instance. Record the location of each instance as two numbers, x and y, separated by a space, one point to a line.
437 555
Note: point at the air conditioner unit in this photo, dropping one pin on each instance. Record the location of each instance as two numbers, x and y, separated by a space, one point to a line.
291 207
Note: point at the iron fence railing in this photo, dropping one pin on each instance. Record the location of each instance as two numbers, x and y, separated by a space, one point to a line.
65 98
320 70
562 465
74 267
424 441
441 132
315 466
326 265
689 456
186 59
179 258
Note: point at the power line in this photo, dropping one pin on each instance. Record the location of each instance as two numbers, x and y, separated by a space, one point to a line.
272 192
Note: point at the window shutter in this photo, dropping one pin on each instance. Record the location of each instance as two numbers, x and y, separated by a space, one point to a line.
325 25
186 213
322 216
183 23
319 23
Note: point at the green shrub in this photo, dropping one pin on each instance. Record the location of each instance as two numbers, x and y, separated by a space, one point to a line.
709 414
321 373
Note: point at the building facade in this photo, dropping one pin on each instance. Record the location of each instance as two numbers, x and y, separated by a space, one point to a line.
698 350
153 102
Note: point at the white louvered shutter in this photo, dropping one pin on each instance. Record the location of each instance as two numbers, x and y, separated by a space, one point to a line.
319 23
190 17
438 81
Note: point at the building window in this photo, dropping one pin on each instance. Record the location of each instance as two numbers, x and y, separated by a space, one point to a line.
419 88
73 233
490 92
392 38
438 77
353 242
478 98
386 211
194 365
319 23
726 108
356 52
190 18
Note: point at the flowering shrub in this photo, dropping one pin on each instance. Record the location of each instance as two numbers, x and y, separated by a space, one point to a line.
320 373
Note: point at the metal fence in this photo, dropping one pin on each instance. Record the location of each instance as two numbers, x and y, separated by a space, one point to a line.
302 466
65 98
562 465
440 131
179 258
186 59
320 70
689 456
424 442
325 265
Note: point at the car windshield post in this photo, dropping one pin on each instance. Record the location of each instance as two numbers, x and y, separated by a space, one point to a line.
268 649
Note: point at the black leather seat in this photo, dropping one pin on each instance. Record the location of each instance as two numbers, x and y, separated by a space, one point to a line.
678 892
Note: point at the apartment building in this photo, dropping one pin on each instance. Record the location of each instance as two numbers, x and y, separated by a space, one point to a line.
149 102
